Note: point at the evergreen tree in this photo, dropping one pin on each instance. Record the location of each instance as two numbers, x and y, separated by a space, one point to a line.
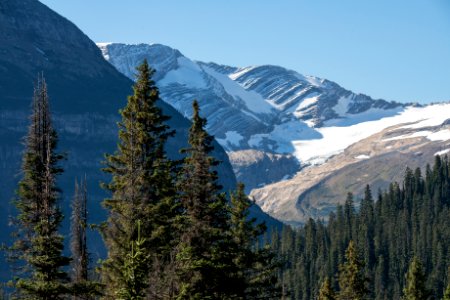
326 291
134 270
413 217
352 282
82 286
142 187
256 276
447 293
38 244
204 267
78 244
415 282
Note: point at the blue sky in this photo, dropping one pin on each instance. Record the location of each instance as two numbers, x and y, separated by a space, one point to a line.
396 50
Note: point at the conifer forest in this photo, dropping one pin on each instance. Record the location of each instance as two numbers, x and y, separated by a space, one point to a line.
173 232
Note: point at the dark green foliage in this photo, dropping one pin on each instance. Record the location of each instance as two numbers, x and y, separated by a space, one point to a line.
142 186
38 244
256 267
326 291
352 283
415 282
134 270
447 293
412 219
204 264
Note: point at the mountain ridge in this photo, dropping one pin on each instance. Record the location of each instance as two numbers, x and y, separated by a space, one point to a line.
266 115
86 93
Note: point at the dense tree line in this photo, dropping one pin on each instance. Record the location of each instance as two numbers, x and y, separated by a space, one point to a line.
171 232
407 224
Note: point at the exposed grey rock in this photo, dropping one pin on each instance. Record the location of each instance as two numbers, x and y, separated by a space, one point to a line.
285 94
86 93
261 108
377 160
258 168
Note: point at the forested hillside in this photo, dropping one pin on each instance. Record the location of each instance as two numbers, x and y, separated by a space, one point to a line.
410 219
172 233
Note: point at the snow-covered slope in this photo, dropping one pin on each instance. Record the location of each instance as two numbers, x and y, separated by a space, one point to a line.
266 116
376 153
260 107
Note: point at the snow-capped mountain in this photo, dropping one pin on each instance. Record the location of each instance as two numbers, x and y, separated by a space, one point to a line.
375 153
260 107
299 142
85 94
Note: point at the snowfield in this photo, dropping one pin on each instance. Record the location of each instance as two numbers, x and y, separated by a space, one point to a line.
285 112
336 138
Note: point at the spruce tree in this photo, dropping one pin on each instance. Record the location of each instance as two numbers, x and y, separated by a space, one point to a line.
142 185
256 267
38 244
203 266
134 270
83 287
352 282
447 293
415 282
326 291
78 243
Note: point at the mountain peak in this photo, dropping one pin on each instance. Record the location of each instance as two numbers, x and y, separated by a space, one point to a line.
252 102
35 39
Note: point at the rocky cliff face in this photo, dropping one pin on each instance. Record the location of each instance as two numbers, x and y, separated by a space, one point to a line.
272 121
376 160
85 95
258 168
268 109
259 107
35 39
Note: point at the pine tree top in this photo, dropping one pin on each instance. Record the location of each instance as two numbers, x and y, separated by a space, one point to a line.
415 282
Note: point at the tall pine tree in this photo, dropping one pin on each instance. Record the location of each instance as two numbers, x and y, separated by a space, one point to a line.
83 287
142 186
78 243
352 282
204 267
256 267
415 282
326 291
38 244
134 270
447 293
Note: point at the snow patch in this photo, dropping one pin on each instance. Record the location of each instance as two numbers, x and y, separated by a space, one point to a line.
315 81
240 72
442 152
188 73
362 156
282 136
308 102
409 136
341 107
252 100
442 135
232 138
104 49
103 44
336 138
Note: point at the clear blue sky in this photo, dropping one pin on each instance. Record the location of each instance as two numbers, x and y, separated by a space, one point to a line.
392 49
